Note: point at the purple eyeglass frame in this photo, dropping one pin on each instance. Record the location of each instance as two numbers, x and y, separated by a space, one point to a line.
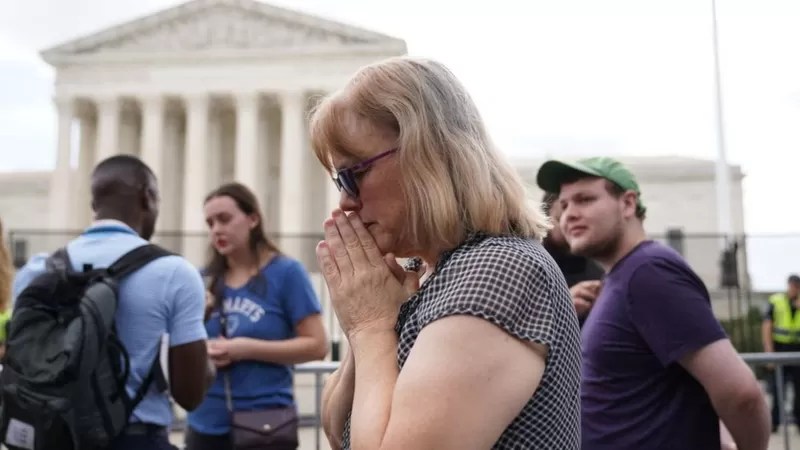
345 179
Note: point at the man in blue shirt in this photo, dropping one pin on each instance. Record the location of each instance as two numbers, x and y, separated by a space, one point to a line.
166 296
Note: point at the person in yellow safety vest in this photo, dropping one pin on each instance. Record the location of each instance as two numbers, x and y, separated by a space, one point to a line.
780 332
6 279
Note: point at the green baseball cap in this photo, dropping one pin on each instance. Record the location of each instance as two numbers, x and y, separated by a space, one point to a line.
553 173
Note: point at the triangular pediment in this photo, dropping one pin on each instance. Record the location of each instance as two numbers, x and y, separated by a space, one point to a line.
219 25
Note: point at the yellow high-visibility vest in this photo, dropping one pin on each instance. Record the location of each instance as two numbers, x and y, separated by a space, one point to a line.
785 328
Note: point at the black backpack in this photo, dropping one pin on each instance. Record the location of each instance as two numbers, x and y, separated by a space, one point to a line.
65 369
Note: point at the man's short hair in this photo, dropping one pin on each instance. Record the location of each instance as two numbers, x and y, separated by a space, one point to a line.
121 175
124 163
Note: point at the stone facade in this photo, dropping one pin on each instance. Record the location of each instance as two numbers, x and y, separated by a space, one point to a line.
679 193
206 92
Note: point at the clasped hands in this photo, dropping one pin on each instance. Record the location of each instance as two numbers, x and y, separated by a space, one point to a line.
366 287
223 351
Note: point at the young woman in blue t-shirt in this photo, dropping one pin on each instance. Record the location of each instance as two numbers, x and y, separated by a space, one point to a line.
271 316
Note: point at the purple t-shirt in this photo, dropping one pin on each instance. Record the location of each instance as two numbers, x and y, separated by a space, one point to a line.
652 311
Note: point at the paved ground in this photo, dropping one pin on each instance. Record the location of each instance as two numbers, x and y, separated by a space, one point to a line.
777 442
307 440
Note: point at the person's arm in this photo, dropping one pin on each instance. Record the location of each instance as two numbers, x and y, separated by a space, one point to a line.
672 312
311 344
453 376
337 400
35 266
734 392
766 330
726 441
766 336
302 308
190 372
461 364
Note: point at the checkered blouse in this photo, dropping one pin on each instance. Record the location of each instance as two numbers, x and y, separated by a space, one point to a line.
515 284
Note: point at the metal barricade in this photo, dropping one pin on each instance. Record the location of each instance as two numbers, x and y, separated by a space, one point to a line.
779 360
318 369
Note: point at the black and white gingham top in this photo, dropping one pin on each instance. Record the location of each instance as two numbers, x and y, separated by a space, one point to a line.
516 285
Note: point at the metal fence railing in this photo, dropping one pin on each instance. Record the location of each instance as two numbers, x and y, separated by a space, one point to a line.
739 271
753 262
756 360
780 361
318 370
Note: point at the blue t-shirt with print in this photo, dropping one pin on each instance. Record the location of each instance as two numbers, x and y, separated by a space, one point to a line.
268 307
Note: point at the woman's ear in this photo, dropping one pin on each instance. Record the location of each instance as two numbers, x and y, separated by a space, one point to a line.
255 220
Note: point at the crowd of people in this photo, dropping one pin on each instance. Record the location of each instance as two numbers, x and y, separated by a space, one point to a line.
474 318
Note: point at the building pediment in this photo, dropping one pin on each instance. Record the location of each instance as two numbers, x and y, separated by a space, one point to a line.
218 26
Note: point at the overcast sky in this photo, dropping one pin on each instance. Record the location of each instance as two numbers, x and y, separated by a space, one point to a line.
558 78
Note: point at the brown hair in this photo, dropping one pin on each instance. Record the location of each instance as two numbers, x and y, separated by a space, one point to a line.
247 202
455 180
6 272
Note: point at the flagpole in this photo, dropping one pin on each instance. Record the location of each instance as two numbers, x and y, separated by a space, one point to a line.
722 172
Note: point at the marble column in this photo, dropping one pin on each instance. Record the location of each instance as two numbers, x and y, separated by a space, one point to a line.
214 148
246 167
152 151
152 143
270 156
60 189
108 110
82 179
333 197
196 159
171 184
293 201
130 128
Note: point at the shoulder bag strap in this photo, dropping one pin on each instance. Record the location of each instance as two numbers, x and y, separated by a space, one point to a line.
226 375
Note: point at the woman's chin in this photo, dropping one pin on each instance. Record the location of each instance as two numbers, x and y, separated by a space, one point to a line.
384 241
389 243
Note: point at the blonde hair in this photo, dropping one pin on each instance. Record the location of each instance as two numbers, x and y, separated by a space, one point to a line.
455 180
6 272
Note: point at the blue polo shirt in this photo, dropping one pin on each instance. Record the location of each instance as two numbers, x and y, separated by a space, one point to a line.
166 296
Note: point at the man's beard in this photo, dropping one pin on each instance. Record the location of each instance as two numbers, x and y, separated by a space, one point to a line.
604 248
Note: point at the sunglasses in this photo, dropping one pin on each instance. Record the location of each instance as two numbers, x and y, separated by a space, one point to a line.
345 179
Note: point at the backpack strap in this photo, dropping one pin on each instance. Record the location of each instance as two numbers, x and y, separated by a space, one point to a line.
156 375
59 261
126 265
136 259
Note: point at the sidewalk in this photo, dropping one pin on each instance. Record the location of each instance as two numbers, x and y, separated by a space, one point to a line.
776 441
307 439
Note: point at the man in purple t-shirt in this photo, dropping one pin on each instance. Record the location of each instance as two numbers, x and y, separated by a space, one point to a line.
658 370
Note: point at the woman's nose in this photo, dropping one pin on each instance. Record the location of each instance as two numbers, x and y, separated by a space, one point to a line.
348 203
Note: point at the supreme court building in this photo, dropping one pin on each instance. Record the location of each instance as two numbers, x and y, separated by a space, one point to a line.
206 92
219 90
